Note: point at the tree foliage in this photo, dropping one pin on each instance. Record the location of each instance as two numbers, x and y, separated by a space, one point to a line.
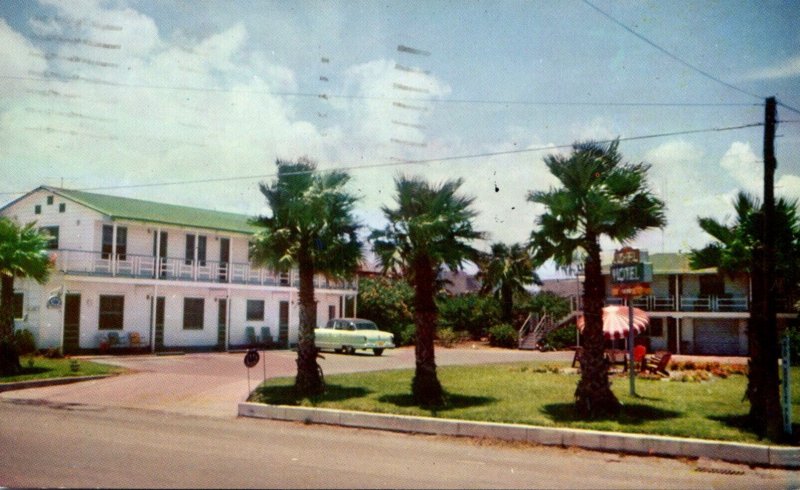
506 271
600 195
472 313
388 302
429 228
737 248
23 254
312 228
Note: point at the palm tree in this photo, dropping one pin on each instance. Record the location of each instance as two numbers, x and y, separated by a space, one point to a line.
312 228
600 195
735 251
431 227
23 253
505 271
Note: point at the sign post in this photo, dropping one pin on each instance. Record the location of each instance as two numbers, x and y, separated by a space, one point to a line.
787 386
631 274
250 360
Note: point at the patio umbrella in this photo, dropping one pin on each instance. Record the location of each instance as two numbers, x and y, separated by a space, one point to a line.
615 321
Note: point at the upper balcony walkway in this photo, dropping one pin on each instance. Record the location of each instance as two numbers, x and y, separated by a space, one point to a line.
79 262
728 303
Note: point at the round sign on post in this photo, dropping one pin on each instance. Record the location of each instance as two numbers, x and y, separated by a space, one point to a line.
251 358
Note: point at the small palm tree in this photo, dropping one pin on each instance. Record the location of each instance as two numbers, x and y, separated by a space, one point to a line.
430 228
600 195
734 251
505 271
23 253
312 227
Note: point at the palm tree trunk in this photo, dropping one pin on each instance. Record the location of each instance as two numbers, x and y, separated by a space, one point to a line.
9 357
308 381
593 396
425 388
508 303
763 389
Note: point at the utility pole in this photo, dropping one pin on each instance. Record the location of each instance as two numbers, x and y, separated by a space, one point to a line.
769 329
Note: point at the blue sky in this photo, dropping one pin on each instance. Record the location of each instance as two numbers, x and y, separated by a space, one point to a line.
120 94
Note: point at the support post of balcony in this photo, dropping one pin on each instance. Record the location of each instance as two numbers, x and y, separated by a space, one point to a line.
114 249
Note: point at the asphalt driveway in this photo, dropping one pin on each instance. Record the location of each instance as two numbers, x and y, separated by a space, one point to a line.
212 384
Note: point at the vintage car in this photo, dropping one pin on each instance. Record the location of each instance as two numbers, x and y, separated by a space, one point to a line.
350 334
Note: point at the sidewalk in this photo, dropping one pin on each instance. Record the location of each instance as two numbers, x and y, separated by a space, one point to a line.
643 444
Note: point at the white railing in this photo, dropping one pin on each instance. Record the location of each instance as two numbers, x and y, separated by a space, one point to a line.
175 269
727 303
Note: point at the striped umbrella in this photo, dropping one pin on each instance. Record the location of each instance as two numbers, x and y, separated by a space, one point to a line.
615 321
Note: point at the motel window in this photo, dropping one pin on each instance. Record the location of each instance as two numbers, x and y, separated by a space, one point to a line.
18 305
52 232
37 209
201 250
656 328
255 310
49 200
111 312
108 240
62 207
331 312
193 309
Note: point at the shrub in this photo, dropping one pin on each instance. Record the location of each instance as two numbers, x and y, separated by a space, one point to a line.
51 353
387 302
447 337
562 337
503 335
468 313
26 344
408 335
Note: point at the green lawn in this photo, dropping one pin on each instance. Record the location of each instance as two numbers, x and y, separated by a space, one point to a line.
44 368
527 393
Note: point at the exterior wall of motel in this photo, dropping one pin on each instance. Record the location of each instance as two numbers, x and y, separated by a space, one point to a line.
697 333
80 234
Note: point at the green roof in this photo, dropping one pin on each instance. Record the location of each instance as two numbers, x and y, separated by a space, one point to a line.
124 208
671 263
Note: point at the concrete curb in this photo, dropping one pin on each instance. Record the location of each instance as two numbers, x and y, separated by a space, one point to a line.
38 383
755 454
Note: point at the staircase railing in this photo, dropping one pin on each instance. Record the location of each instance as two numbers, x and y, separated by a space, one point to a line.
526 328
544 325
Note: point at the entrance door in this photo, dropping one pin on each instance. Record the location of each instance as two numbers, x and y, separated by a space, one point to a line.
283 324
161 245
159 330
224 258
72 323
672 331
222 316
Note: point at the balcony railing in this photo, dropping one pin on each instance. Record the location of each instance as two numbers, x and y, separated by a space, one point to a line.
174 269
728 303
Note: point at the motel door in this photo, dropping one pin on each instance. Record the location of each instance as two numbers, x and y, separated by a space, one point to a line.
283 324
72 323
159 330
222 316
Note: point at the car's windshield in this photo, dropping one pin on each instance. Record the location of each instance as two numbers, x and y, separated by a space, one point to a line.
366 326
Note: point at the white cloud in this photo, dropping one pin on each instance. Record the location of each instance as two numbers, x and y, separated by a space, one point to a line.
743 165
788 68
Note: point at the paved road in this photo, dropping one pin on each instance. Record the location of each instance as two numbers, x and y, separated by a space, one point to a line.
47 444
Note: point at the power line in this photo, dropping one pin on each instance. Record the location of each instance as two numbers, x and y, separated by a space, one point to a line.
788 107
674 57
416 162
379 97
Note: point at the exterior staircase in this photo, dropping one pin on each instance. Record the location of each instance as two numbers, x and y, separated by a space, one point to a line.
535 328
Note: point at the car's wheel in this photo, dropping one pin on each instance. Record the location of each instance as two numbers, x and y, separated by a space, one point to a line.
377 351
338 351
348 349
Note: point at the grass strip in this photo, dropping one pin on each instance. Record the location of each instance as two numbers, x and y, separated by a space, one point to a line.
46 368
542 394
